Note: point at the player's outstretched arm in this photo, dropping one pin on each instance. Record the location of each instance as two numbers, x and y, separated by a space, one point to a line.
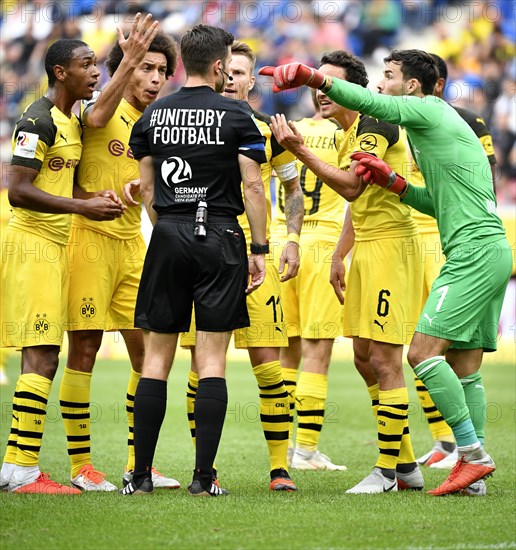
344 183
23 194
294 75
135 46
338 267
375 170
256 211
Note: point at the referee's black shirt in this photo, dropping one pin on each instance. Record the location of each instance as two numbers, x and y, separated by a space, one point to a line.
194 137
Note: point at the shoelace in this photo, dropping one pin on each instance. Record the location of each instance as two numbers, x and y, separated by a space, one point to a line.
94 475
456 469
45 478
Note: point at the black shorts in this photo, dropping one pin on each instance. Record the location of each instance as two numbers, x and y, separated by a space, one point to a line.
181 270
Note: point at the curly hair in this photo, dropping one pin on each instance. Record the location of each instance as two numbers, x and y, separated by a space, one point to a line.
161 44
354 67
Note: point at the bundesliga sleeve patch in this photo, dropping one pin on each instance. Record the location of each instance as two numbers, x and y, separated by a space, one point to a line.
26 144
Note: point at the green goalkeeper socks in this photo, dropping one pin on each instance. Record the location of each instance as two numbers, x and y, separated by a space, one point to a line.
446 392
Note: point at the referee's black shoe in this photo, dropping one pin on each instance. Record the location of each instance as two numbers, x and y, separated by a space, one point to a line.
197 490
146 488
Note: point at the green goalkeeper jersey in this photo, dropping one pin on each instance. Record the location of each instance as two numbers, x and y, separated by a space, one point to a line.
459 189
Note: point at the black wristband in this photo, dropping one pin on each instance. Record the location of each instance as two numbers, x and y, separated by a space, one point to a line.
259 248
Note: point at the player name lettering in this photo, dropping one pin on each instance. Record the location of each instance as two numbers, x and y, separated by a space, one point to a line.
186 117
322 142
187 135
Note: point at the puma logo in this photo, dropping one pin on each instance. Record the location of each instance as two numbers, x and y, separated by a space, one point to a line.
380 324
33 120
430 319
127 122
300 401
63 137
278 329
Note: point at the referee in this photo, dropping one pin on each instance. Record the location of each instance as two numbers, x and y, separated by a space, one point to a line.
194 149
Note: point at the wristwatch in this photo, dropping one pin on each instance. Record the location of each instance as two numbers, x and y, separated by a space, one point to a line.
259 248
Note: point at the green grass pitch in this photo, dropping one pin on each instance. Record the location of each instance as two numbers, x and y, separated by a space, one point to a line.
319 516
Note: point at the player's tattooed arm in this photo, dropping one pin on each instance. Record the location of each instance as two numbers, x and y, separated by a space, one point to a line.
294 214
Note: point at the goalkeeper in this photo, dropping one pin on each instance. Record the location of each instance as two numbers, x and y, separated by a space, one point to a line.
460 318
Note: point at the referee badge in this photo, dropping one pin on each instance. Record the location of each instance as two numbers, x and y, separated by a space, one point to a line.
88 308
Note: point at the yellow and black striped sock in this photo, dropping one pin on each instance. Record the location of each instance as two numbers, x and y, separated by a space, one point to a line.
274 411
31 408
374 395
406 455
132 384
312 390
10 451
391 419
191 393
438 428
74 398
290 379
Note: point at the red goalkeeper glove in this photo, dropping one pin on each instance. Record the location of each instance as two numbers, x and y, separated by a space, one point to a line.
375 170
293 75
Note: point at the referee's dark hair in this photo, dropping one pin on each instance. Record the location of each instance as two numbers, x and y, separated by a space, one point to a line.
416 64
161 44
203 45
60 53
354 67
441 66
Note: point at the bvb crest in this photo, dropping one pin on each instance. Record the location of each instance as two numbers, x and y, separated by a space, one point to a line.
88 309
41 325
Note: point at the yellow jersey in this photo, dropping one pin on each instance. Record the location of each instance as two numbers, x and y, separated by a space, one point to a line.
46 140
6 210
276 156
324 207
107 163
377 213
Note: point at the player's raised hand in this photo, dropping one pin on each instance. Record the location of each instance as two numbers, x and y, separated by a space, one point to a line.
293 75
130 191
136 45
375 170
256 272
286 133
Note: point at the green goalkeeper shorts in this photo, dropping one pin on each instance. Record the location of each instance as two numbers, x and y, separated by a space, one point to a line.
466 299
